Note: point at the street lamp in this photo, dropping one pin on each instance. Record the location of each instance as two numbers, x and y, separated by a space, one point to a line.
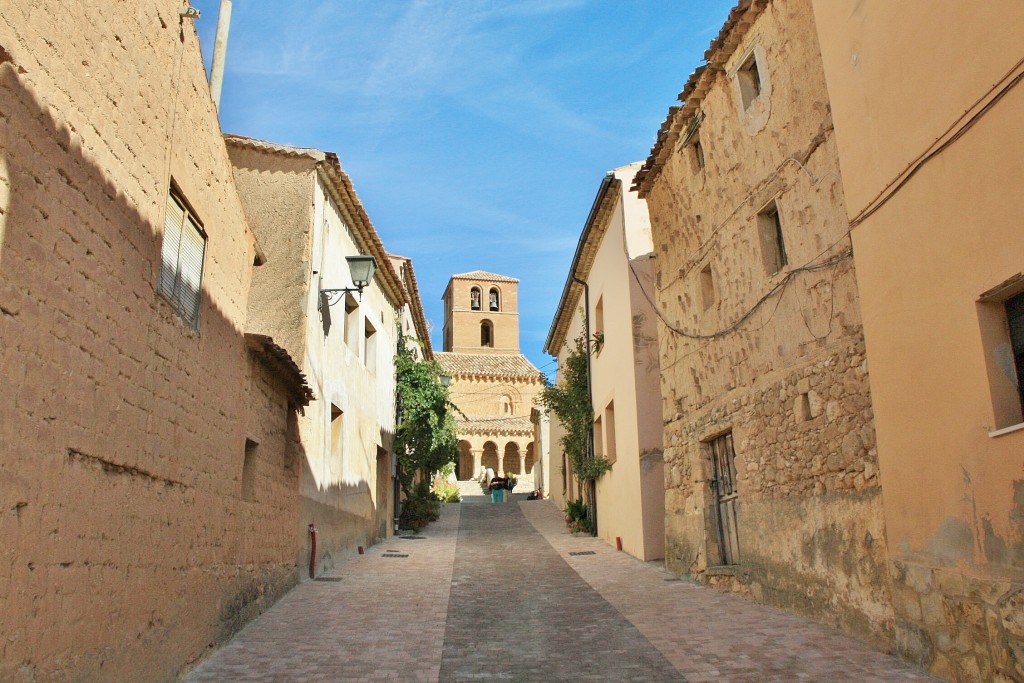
445 380
361 269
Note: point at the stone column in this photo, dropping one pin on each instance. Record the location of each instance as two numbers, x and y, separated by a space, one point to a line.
478 455
522 464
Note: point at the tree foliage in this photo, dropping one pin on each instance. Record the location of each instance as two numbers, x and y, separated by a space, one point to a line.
569 400
426 437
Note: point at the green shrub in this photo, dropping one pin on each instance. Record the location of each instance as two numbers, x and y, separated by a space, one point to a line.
420 508
447 493
577 517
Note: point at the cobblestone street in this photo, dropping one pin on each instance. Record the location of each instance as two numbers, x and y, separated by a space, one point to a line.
493 592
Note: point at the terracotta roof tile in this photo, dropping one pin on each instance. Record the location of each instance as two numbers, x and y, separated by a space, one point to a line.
283 364
519 425
490 365
483 275
740 19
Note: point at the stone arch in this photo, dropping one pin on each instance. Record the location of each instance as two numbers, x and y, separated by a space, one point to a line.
490 456
474 298
511 459
486 333
507 406
494 299
464 469
531 457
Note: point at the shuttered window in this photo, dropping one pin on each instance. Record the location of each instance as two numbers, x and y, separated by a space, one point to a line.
181 260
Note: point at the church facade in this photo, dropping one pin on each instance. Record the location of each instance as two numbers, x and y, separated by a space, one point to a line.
493 384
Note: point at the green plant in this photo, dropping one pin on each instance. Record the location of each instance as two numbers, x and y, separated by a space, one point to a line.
426 438
569 400
576 517
447 493
420 507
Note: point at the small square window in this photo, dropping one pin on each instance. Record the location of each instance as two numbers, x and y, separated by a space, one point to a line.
337 435
1001 317
181 259
610 451
249 469
749 80
773 246
351 322
370 349
707 287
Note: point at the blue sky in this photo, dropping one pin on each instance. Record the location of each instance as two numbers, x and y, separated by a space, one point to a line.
476 132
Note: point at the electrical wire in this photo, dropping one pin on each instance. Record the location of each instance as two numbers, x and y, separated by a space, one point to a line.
897 183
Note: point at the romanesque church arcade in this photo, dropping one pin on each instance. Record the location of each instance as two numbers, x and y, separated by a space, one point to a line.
480 453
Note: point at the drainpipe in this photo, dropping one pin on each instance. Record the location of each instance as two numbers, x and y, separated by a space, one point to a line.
220 49
312 551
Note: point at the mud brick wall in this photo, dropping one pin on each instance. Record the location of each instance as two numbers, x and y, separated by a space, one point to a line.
790 382
127 549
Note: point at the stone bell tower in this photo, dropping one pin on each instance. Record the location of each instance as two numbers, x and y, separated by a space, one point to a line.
481 313
494 386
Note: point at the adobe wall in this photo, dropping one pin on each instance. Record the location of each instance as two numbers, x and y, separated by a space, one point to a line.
789 381
951 462
127 550
278 203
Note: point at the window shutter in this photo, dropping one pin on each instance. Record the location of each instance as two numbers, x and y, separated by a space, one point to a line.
173 221
193 247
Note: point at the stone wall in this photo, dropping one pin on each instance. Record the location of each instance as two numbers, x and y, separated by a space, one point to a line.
774 355
127 549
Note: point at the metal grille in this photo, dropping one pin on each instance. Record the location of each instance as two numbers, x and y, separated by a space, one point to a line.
328 579
413 538
723 457
583 552
394 555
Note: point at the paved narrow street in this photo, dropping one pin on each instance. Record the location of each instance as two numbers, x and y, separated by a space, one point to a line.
503 593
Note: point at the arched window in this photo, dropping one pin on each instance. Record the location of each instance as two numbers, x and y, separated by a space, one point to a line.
474 298
495 304
486 333
506 405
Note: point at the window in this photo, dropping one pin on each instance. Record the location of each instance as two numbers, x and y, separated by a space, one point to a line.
599 436
495 306
249 469
599 322
698 154
370 346
486 333
337 422
351 322
1001 318
707 287
506 405
181 259
773 247
749 80
1015 324
609 432
474 298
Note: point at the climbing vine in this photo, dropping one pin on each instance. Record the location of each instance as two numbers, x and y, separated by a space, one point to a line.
569 400
426 438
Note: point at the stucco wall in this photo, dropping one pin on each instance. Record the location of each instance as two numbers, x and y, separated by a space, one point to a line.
789 381
954 494
127 549
346 434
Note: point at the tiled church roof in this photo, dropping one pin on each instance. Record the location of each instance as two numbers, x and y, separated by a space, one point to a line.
495 425
483 275
490 365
